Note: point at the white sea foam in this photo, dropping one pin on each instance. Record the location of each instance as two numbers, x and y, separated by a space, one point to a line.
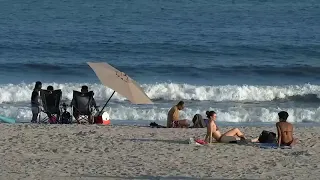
14 99
11 93
233 114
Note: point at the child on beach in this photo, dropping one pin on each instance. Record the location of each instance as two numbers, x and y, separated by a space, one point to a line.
285 130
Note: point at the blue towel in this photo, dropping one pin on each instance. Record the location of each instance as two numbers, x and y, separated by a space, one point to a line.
7 120
272 146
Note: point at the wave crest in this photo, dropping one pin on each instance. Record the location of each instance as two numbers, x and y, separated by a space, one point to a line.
11 93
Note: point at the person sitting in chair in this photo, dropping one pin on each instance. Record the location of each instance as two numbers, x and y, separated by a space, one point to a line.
50 88
85 89
52 119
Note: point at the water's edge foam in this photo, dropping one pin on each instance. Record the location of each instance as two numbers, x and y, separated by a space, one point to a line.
15 98
154 113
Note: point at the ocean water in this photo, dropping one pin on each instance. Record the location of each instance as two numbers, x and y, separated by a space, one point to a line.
247 60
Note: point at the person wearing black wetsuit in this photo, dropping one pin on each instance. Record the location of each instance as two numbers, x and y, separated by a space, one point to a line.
35 101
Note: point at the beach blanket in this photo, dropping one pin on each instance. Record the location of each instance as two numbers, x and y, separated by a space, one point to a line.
260 145
225 139
271 146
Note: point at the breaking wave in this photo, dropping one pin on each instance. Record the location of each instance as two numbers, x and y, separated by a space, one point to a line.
12 93
232 114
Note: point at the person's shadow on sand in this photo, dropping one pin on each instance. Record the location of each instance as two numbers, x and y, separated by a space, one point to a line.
158 140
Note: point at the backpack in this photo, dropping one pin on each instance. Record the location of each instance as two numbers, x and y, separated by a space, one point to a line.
198 121
65 118
267 137
52 120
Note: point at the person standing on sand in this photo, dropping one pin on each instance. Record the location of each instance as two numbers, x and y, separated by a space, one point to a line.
285 130
173 120
35 101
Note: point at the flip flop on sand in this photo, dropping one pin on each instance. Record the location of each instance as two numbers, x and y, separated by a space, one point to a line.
196 142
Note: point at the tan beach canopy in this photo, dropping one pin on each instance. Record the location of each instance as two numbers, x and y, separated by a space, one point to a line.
120 83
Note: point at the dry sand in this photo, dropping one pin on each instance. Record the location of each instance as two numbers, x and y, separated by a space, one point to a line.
122 152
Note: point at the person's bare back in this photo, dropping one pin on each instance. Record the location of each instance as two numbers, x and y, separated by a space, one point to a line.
285 130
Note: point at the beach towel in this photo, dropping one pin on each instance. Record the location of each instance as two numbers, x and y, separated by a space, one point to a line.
271 146
226 139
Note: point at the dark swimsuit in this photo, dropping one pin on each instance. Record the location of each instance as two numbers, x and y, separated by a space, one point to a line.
287 144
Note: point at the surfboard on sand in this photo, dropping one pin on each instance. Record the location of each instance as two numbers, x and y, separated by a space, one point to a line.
7 120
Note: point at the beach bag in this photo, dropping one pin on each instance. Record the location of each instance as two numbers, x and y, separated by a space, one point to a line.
65 118
198 121
53 120
267 137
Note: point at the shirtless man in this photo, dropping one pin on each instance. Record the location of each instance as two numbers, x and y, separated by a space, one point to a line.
285 130
173 120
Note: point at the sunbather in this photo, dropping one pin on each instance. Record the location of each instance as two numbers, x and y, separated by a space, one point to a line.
173 117
214 132
285 130
35 101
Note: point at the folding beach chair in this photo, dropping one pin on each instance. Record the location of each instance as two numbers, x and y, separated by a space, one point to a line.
51 105
82 107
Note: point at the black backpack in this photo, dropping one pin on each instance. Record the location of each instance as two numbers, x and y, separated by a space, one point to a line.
267 137
65 118
198 121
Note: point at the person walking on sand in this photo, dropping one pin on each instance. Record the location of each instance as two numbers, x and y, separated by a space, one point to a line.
173 120
35 101
285 130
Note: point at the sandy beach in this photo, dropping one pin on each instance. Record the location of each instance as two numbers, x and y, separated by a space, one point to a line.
130 152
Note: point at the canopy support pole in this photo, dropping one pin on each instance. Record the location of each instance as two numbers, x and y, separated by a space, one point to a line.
106 103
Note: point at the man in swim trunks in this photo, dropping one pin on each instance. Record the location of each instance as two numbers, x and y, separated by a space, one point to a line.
285 130
173 117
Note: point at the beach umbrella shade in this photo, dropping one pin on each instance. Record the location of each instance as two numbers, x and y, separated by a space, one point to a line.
120 83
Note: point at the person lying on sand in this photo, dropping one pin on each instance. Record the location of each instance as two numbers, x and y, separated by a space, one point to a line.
285 130
214 132
173 117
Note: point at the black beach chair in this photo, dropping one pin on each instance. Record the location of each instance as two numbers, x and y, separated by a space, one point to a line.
81 107
51 105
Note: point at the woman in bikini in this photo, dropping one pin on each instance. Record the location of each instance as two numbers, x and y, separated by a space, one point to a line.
214 132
